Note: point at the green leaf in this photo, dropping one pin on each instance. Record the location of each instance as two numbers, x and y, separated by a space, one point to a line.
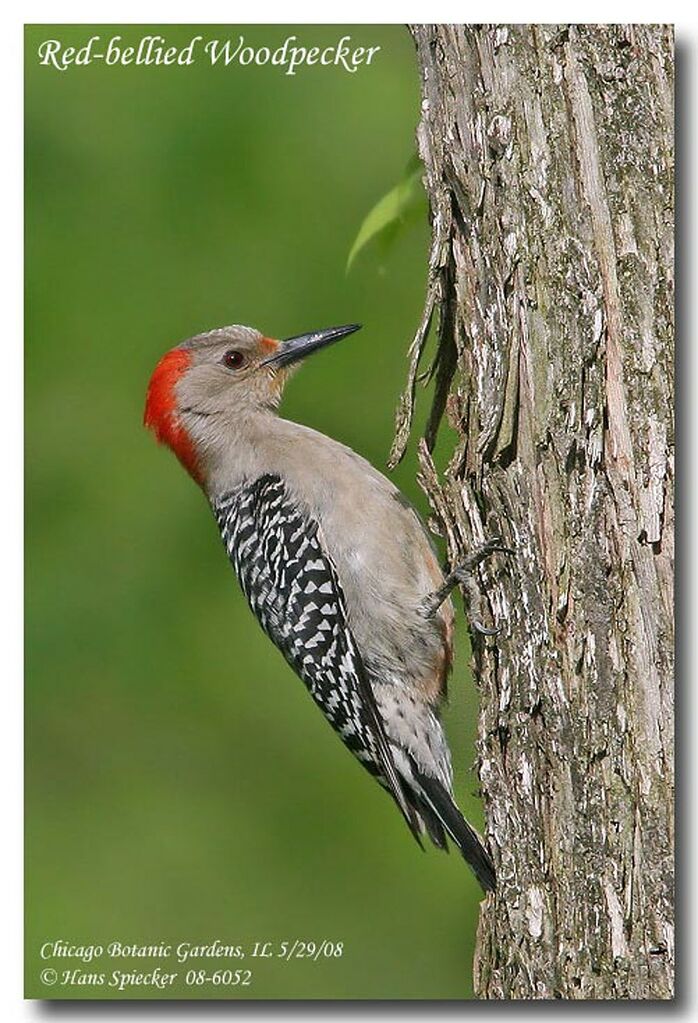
401 205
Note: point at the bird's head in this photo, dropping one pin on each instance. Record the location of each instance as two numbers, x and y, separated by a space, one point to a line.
203 386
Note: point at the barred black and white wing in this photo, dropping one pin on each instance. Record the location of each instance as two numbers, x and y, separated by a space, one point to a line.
292 586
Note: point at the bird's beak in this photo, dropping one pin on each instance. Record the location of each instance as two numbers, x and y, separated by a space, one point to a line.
295 348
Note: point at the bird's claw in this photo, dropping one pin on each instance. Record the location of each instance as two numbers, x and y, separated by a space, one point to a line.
464 576
464 573
482 629
496 544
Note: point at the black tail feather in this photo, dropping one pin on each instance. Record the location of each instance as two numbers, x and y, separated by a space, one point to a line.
433 825
445 815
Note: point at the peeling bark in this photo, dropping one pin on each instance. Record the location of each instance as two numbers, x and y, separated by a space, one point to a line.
548 153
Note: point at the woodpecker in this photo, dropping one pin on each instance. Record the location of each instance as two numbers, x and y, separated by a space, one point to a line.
334 562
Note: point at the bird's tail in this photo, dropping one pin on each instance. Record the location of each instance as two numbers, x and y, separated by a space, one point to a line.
440 814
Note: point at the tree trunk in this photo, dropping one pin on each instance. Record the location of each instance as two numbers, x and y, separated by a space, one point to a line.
549 168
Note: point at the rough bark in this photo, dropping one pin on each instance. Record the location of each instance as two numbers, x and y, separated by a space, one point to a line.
548 153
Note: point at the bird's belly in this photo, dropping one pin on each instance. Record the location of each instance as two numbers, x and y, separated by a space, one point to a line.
396 641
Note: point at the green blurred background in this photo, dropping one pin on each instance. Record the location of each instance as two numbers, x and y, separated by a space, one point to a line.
180 783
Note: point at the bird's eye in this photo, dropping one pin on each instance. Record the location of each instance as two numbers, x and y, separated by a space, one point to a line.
234 359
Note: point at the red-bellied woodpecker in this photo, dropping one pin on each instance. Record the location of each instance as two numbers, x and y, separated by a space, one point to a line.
334 562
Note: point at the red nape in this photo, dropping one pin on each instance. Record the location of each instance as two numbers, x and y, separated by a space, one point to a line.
161 409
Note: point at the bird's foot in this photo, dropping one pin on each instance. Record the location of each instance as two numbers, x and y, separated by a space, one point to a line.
464 575
482 552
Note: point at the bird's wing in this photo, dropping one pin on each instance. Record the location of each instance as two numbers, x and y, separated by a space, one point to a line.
292 586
